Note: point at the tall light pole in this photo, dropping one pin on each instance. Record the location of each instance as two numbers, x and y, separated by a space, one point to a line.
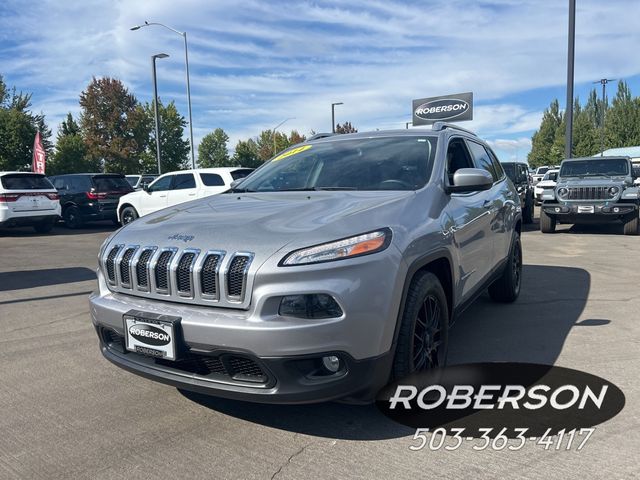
155 104
568 142
603 82
186 62
333 116
274 132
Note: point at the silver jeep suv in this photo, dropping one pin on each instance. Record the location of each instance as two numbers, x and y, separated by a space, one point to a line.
338 265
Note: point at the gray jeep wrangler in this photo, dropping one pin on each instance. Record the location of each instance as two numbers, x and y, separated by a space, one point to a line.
592 190
336 266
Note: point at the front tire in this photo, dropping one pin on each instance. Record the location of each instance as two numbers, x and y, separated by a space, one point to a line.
506 289
423 338
128 215
631 226
547 223
72 217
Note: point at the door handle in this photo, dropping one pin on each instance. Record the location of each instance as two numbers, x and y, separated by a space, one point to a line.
192 194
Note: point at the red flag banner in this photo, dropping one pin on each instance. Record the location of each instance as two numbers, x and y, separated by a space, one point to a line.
39 155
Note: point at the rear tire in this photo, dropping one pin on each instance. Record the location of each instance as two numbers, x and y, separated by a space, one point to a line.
507 288
128 215
547 223
423 338
44 227
631 226
72 217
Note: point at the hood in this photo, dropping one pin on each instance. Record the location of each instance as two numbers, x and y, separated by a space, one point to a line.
263 223
546 183
592 181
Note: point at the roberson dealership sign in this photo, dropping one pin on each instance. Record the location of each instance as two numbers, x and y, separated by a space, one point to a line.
447 108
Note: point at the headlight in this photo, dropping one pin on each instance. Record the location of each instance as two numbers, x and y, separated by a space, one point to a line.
613 191
562 192
363 244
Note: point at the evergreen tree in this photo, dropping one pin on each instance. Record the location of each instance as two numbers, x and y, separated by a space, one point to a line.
544 138
212 151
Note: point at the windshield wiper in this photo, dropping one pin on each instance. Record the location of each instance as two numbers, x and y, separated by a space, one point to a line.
239 190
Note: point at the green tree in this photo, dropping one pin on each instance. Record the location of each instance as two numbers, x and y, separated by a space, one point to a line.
264 143
346 127
544 138
18 126
622 121
114 125
71 152
585 135
174 148
246 154
212 151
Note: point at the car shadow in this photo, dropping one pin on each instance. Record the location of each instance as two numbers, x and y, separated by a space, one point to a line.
21 279
533 329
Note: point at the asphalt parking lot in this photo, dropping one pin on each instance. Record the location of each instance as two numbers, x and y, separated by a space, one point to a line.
65 412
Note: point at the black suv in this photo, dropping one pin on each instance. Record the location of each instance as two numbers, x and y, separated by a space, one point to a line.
86 197
518 173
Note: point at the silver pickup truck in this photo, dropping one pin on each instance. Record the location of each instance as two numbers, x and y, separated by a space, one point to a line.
338 265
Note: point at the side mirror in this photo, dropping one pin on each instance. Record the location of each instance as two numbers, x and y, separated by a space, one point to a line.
471 180
234 184
145 187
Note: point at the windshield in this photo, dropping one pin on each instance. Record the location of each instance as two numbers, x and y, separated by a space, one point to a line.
593 168
132 179
111 184
542 170
386 163
553 176
26 181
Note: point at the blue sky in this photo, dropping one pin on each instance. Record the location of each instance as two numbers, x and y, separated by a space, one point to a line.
255 63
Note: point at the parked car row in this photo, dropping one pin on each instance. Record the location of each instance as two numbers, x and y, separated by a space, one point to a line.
32 199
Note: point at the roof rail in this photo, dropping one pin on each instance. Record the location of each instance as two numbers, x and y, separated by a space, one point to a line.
321 135
437 126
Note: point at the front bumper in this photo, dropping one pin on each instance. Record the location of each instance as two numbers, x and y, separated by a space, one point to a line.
243 376
581 213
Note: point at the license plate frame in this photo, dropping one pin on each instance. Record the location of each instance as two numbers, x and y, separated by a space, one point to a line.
586 209
151 334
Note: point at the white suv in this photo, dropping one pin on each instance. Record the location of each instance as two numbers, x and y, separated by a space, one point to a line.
28 199
177 187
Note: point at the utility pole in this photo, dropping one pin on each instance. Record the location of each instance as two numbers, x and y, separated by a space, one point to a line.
568 143
603 82
155 105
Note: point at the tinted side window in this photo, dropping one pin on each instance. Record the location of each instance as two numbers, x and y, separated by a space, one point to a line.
80 184
59 183
25 181
457 157
482 159
241 173
497 166
212 180
161 184
184 181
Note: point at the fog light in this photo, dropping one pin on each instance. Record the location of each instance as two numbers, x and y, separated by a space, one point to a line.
318 305
331 363
557 209
616 209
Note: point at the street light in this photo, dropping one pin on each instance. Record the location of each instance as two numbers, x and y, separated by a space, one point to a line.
604 82
274 132
568 142
155 105
333 116
186 61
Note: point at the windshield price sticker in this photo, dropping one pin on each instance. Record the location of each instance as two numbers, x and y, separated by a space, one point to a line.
290 153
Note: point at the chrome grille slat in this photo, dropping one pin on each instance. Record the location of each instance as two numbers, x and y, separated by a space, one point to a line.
169 273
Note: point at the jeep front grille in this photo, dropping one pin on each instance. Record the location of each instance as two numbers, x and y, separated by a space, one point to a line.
188 275
589 193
